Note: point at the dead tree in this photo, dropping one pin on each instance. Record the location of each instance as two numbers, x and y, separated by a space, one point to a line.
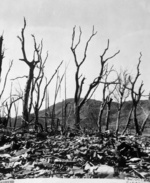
5 79
79 84
9 107
128 120
1 55
108 104
121 93
105 98
79 80
3 85
136 96
36 82
36 86
64 103
109 100
57 89
7 104
16 107
31 64
1 65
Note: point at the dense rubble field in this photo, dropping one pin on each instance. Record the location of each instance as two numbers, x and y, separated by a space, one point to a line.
85 156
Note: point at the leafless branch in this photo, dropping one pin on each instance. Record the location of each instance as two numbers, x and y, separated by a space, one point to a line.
73 48
19 77
50 82
5 81
22 40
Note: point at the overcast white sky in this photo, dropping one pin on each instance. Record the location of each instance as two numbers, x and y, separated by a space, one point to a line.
126 23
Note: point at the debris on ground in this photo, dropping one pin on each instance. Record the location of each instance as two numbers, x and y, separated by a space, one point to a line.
97 156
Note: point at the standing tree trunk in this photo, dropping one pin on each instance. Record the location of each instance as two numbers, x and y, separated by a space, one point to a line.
27 92
136 120
118 118
16 114
121 93
1 64
128 121
37 124
136 96
100 114
109 102
31 66
79 79
77 116
1 54
104 97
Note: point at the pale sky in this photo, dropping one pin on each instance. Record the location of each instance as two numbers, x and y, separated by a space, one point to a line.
126 23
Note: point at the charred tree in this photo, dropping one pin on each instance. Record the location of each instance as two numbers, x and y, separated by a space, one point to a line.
79 80
136 96
1 55
31 65
121 93
1 65
79 84
104 99
37 82
128 120
108 104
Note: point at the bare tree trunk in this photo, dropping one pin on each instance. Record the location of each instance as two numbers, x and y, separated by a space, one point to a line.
118 118
65 104
65 115
1 54
117 123
128 121
53 117
16 114
1 63
79 79
38 126
31 66
36 112
108 113
136 96
99 121
27 93
136 120
77 117
46 107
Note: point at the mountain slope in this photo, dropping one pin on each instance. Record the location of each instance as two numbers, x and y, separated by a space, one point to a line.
89 113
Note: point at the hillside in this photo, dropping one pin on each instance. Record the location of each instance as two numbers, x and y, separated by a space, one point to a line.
90 110
89 114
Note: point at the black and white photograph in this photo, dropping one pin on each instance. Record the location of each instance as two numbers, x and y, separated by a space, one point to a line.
74 91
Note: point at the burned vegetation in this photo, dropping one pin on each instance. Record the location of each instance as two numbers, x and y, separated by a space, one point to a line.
79 137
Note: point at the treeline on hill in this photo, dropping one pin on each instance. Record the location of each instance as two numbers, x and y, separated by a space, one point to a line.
114 112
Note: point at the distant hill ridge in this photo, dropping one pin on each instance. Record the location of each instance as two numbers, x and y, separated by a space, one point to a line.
89 113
